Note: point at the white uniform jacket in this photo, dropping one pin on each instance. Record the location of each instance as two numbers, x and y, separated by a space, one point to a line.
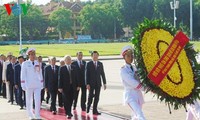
31 75
132 87
5 64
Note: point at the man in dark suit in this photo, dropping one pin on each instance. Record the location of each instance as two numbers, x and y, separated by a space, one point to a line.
51 82
42 64
67 84
94 73
10 79
80 66
17 82
1 70
60 96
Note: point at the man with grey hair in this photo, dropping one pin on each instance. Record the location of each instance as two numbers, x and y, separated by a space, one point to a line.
67 84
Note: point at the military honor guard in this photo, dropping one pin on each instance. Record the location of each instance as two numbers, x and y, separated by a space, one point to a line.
80 66
132 86
67 84
32 83
94 77
193 111
51 82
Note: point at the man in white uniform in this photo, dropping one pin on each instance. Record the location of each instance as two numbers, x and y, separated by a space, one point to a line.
32 83
132 86
193 112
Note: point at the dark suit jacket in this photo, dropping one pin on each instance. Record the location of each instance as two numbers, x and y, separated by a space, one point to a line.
80 72
64 78
43 67
10 73
93 76
17 74
1 70
51 78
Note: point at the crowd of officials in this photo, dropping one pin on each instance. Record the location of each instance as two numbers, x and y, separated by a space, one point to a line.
27 81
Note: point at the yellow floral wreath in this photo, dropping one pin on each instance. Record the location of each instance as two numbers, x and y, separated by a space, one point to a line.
179 87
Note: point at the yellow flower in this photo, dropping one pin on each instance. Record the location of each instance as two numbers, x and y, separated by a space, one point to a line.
179 80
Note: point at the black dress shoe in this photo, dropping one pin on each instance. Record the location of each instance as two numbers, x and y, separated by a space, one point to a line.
53 112
21 108
9 101
83 109
60 105
96 113
69 116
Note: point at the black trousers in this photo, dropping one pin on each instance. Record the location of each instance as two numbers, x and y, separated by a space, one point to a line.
60 99
94 92
83 97
21 97
1 86
68 99
53 95
11 89
42 95
4 90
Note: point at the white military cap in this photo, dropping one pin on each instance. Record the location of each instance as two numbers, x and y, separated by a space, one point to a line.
30 50
125 49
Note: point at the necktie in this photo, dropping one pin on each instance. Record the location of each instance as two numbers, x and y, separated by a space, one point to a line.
131 67
69 69
13 66
33 63
53 68
80 64
95 65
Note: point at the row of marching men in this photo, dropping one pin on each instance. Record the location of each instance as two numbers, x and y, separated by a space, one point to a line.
64 81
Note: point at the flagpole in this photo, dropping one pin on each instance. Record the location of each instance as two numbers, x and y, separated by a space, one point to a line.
20 28
191 20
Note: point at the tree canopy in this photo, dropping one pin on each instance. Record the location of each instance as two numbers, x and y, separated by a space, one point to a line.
61 20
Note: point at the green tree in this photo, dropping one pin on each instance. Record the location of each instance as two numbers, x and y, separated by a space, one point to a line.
134 11
163 10
34 25
101 20
61 21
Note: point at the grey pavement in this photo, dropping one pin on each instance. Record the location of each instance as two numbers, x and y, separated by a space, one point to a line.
111 100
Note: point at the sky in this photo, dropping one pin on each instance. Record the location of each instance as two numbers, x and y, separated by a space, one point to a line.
38 2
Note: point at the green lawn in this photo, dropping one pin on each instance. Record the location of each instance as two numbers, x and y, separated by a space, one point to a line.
59 50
